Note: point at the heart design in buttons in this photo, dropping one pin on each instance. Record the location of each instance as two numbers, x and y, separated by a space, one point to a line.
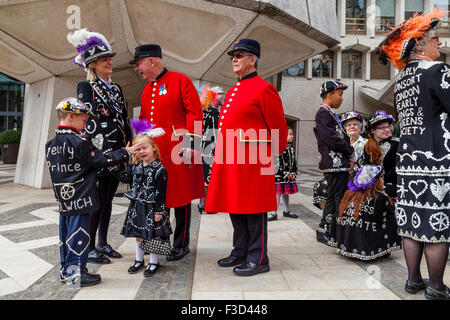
418 187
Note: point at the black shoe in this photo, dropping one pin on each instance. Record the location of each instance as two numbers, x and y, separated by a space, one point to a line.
231 261
322 236
177 253
414 287
272 217
433 294
289 214
109 251
200 208
250 269
96 257
136 266
148 271
89 279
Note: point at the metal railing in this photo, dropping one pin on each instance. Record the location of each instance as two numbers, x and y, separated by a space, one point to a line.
355 25
382 24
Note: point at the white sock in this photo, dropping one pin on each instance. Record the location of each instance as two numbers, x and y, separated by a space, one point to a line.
139 252
153 258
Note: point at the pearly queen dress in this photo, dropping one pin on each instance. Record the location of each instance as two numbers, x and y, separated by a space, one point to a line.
422 102
147 198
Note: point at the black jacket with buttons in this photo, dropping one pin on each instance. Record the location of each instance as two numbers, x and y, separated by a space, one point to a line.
73 161
110 130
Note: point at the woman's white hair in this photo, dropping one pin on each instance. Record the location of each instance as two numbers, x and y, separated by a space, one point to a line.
422 44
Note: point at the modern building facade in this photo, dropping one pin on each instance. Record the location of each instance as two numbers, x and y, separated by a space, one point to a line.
362 24
195 36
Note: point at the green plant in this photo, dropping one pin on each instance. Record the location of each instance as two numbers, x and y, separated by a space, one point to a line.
10 136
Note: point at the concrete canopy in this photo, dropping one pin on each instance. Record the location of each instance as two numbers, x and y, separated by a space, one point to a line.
195 36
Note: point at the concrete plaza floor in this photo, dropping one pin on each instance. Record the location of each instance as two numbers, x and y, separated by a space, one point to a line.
301 268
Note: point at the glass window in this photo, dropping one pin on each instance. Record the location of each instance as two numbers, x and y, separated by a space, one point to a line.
11 103
385 15
444 27
413 6
2 123
355 16
351 64
322 65
3 97
378 70
297 70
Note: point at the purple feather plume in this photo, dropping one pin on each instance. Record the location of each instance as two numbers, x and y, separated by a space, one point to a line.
92 41
141 126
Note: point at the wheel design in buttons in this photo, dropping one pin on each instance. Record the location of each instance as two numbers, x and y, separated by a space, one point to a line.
439 221
67 192
401 217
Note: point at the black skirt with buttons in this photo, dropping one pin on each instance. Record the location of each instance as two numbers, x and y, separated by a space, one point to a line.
373 234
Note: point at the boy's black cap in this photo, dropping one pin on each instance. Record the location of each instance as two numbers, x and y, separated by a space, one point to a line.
146 50
249 45
331 85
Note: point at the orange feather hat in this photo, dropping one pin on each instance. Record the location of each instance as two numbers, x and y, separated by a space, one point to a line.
401 40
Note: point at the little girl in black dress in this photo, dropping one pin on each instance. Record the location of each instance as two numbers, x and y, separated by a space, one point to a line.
147 217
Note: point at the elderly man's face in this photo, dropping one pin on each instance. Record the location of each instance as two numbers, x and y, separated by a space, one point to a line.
147 68
243 63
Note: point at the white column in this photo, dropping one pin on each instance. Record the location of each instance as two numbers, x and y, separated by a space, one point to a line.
341 16
338 59
428 6
399 11
371 15
308 69
366 65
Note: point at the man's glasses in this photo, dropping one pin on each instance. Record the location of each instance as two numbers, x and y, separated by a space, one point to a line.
239 56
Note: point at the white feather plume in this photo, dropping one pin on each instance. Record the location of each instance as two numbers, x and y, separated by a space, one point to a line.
157 132
81 36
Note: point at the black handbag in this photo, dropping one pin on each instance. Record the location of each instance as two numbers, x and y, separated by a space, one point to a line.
156 246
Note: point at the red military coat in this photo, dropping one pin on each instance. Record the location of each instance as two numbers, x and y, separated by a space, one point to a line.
242 177
171 102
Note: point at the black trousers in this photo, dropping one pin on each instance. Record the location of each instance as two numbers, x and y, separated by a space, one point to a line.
99 220
337 185
250 237
182 226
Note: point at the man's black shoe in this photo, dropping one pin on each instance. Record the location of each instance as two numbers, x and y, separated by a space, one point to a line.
109 251
272 217
414 287
250 269
231 261
89 279
322 236
433 294
96 257
177 253
289 214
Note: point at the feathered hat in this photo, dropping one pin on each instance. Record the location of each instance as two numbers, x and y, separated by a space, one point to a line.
379 117
353 115
143 127
402 39
90 46
210 96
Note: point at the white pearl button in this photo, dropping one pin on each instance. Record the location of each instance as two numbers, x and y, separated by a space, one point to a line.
223 117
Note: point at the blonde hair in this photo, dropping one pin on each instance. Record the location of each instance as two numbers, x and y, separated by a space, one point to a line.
91 75
152 142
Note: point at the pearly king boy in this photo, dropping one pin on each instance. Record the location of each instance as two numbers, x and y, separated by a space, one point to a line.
72 161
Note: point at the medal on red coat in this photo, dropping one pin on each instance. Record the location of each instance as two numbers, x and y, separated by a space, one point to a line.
162 89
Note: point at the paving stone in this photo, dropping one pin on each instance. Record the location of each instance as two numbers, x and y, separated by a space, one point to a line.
33 233
21 214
